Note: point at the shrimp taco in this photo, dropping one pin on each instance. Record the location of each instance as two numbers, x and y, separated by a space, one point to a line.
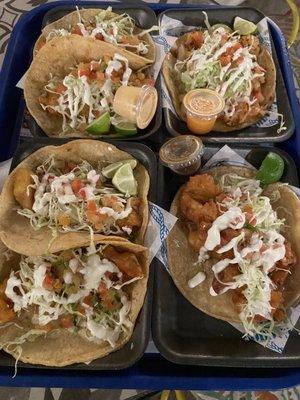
238 253
72 306
71 83
117 31
60 192
238 67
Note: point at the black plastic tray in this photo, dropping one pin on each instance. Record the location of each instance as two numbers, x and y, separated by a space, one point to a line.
145 18
185 335
252 134
135 348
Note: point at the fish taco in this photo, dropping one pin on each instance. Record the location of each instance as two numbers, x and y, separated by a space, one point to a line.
71 83
117 31
239 67
234 253
72 306
60 192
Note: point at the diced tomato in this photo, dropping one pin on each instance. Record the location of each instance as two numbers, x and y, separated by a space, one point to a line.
225 59
102 289
239 60
232 49
224 39
251 219
99 36
88 300
84 69
248 208
107 300
60 88
76 30
221 197
82 193
48 282
197 38
100 77
76 185
66 321
92 206
93 216
263 248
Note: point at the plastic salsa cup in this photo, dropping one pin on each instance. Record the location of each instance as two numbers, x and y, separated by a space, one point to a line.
136 104
202 107
182 154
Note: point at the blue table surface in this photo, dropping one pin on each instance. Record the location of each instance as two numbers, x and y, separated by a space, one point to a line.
152 371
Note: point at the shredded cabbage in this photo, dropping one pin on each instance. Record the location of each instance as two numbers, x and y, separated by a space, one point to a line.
202 69
256 254
112 29
56 206
97 322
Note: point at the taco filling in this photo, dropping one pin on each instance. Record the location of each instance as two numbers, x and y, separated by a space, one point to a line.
233 65
67 196
86 292
87 92
240 242
118 29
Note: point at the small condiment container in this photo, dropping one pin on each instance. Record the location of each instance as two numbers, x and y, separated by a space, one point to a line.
202 108
136 104
182 154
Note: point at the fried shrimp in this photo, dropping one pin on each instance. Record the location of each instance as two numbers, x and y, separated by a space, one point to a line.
202 187
22 180
133 221
197 212
126 262
197 237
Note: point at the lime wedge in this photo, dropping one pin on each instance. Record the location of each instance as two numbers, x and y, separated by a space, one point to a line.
271 169
244 27
125 128
124 180
226 27
110 170
99 125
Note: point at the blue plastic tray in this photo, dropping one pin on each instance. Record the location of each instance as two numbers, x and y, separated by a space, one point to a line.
152 371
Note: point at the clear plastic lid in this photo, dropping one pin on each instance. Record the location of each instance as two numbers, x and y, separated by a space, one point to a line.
146 106
181 151
203 102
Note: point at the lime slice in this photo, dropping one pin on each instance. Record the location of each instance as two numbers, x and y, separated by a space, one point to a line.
99 125
124 180
111 169
271 169
244 27
226 27
125 128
